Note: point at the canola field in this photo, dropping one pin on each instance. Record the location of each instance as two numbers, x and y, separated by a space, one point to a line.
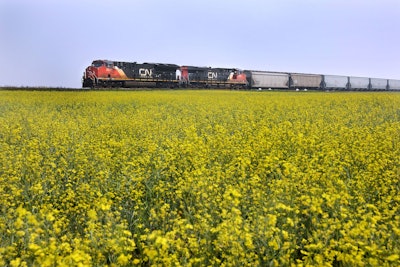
199 178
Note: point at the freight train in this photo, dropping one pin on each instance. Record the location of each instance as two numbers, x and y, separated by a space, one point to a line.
106 73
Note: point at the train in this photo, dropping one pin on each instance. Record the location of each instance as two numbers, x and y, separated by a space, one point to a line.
118 74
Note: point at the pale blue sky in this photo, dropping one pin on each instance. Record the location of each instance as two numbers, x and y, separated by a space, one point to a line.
50 42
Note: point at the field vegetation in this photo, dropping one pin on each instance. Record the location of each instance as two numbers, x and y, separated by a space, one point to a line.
199 178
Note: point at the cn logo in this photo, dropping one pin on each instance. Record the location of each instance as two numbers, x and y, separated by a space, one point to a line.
146 73
212 75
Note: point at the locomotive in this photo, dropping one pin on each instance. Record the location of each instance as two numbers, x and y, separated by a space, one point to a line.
106 73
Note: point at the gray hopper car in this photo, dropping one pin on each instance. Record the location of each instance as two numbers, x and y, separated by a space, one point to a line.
305 81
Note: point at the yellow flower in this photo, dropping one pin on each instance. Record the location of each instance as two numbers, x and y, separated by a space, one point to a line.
123 259
393 257
18 223
92 214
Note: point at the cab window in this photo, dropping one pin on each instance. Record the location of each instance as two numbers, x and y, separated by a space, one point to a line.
97 64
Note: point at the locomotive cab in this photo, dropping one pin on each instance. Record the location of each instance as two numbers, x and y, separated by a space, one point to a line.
105 69
238 76
93 72
102 73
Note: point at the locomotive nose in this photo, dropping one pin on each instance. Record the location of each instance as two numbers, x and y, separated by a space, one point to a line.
90 77
91 72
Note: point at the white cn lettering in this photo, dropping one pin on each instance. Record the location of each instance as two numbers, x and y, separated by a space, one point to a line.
212 75
145 73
